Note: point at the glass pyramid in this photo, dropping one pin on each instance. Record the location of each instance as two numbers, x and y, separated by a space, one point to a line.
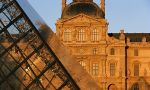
26 61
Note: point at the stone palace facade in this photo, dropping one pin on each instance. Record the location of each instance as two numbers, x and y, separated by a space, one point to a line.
117 61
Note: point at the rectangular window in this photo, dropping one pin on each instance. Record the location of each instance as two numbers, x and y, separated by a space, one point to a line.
94 51
136 53
81 36
112 51
112 69
83 64
95 35
95 69
136 69
67 35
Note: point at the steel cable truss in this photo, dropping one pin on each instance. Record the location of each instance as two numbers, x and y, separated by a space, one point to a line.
26 61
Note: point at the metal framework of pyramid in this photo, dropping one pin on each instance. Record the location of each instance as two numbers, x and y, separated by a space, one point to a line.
26 61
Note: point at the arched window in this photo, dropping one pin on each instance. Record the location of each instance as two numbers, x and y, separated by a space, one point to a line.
136 52
136 69
95 35
136 87
112 51
81 35
112 87
95 69
112 69
67 35
83 64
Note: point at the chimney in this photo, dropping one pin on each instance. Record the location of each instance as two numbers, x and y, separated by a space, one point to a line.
122 35
144 39
122 31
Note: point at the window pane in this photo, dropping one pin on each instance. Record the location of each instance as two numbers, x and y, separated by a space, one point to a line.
95 35
83 64
95 69
112 69
81 35
67 35
136 69
136 53
135 87
94 51
112 51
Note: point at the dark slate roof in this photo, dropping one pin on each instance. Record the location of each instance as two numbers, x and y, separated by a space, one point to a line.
134 37
88 8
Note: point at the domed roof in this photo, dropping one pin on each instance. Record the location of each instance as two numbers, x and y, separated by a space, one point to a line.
88 8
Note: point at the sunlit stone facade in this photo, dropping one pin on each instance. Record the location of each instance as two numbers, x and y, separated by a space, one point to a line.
115 60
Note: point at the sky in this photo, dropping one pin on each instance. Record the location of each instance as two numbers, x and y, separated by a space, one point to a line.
131 15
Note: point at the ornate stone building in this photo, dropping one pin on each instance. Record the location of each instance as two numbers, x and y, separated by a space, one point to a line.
117 61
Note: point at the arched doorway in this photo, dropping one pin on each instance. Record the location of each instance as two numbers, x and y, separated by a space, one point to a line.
135 87
112 87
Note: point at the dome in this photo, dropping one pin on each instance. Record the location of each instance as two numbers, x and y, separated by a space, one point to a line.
88 8
82 0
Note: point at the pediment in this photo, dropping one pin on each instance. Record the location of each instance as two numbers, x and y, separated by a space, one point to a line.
82 18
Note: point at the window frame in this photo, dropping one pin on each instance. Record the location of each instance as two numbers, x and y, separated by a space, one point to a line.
112 68
67 35
81 35
136 52
95 35
82 63
136 86
112 51
136 68
95 69
95 51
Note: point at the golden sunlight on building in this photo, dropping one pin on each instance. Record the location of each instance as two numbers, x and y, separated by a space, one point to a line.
82 55
117 61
